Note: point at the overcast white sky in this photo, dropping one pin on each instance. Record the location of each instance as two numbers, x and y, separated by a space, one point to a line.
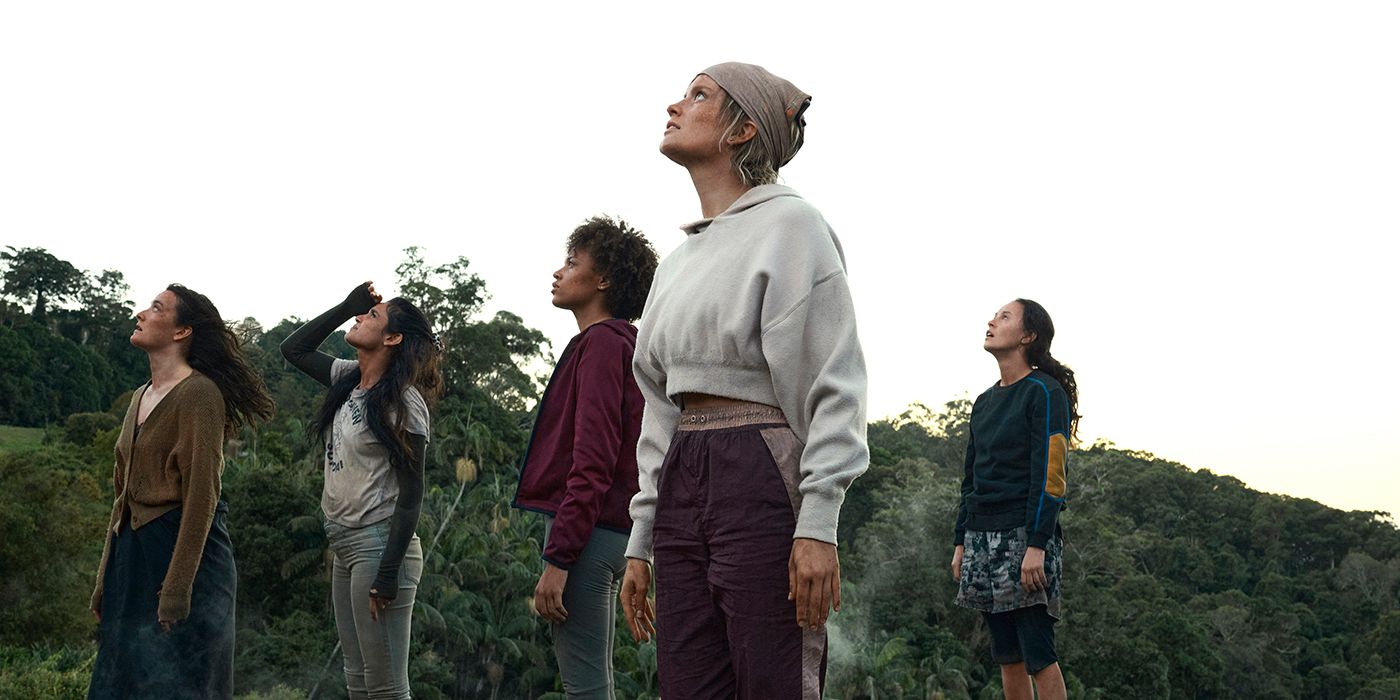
1205 195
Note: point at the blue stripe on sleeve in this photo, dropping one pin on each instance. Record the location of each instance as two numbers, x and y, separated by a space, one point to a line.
1045 472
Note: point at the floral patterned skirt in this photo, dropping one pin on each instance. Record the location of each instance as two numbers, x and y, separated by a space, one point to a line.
991 573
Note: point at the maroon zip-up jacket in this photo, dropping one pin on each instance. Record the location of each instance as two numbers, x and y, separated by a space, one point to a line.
581 465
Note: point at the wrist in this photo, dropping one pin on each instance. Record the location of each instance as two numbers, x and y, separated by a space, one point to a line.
384 588
386 578
172 606
345 310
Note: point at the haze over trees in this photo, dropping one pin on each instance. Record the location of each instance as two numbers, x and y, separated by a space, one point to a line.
1180 583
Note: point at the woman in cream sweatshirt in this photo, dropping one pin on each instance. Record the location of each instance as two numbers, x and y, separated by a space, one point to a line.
754 423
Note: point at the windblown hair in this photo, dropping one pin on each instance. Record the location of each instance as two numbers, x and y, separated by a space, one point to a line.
752 161
414 362
1036 320
218 354
622 256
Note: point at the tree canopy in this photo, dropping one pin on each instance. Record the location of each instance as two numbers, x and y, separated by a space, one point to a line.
36 275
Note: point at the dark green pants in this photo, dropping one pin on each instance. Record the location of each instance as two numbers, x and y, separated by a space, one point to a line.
583 643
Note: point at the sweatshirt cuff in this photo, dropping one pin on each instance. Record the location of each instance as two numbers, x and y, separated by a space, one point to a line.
818 517
1037 540
958 537
640 542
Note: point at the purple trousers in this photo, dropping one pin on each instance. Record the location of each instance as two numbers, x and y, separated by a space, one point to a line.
726 512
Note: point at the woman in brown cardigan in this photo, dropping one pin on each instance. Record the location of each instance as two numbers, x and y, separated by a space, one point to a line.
165 589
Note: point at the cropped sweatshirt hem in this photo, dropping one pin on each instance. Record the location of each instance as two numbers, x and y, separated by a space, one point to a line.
755 306
753 384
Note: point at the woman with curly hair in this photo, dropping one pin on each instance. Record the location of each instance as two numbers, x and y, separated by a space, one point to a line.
374 427
1006 543
165 588
755 408
580 469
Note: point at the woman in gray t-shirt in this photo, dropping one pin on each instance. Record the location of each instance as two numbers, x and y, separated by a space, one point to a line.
374 428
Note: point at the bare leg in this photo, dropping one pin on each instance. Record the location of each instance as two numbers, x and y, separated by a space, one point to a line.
1015 683
1049 683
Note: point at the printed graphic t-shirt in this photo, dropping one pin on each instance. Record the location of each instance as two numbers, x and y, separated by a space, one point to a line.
361 487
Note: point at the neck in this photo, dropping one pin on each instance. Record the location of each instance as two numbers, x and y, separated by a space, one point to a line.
168 367
373 364
717 185
1014 367
593 313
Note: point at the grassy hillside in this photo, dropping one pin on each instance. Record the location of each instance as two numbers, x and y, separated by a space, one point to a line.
17 439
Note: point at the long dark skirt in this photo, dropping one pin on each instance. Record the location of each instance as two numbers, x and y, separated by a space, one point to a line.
135 659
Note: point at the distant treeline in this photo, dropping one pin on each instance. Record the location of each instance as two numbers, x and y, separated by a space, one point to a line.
69 354
1178 583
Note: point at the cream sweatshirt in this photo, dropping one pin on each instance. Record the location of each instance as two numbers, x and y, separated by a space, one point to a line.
754 306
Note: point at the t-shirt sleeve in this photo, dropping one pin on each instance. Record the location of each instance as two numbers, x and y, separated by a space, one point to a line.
417 419
340 368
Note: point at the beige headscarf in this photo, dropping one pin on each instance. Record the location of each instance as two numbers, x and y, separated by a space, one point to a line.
772 103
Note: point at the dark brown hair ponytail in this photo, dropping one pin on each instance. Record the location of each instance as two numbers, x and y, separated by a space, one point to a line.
1036 320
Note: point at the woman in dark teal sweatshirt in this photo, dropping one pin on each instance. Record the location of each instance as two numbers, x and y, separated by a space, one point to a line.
1006 544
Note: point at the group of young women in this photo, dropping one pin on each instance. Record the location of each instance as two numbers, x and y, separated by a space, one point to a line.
165 589
703 454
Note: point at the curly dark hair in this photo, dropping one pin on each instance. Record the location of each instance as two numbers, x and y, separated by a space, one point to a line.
622 256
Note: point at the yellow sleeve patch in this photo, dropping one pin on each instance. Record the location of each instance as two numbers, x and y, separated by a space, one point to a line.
1055 469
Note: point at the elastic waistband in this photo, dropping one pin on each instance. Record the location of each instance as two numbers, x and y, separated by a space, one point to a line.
733 416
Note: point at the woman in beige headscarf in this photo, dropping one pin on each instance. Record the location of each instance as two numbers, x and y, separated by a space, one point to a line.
755 408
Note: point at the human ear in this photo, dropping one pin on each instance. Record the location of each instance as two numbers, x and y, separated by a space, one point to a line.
393 339
183 332
746 132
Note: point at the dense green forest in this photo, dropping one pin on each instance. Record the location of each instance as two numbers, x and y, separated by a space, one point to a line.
1179 583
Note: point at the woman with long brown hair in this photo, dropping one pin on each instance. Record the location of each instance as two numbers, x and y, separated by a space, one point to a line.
374 426
165 588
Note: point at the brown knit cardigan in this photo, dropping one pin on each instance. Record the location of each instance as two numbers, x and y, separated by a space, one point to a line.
176 461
